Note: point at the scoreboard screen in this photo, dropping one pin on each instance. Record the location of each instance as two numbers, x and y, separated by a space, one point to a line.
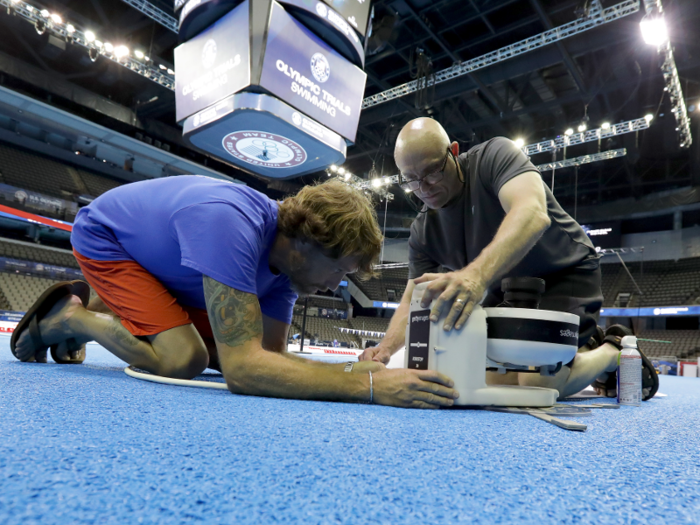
604 234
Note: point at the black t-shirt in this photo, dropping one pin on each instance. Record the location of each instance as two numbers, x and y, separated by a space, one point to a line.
453 236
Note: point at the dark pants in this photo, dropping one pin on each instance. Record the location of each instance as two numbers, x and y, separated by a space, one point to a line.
574 290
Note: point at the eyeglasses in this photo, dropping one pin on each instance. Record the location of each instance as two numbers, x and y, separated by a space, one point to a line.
430 179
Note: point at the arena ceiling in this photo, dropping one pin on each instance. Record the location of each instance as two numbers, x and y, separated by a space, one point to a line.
604 74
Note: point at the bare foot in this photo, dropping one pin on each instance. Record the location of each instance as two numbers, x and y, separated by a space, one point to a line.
54 329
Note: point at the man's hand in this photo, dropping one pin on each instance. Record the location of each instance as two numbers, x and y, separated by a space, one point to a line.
376 353
457 292
405 388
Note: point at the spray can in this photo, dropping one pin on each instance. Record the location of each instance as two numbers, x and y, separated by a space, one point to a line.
629 373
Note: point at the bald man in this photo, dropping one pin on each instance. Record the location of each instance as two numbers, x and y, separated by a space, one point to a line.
488 215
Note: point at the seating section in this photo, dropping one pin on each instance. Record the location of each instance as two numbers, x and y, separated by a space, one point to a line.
323 303
378 289
97 184
684 344
36 173
663 283
21 291
28 252
323 329
374 324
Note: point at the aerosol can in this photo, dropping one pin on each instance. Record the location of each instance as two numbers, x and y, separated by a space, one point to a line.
629 373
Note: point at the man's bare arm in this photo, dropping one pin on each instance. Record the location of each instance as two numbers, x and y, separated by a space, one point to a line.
524 200
237 324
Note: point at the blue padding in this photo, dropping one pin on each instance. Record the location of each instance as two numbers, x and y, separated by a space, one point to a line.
87 444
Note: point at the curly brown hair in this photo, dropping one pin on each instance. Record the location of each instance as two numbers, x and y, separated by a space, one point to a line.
337 217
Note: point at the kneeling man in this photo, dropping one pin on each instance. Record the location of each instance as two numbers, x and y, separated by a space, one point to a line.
487 215
192 271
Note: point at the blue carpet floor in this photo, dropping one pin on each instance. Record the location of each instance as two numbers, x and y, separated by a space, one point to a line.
87 444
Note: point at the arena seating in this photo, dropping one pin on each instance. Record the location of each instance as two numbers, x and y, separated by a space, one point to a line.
323 329
32 252
97 184
323 303
685 344
377 288
663 283
375 324
33 172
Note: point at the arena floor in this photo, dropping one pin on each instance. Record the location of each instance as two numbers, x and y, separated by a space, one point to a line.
87 444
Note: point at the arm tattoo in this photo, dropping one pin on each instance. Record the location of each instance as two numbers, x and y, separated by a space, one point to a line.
234 316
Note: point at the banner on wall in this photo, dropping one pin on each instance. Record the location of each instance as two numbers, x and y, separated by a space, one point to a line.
48 271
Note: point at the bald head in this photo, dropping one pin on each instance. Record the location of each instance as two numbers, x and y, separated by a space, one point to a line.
421 142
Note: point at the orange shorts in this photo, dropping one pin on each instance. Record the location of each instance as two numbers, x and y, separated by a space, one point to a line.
143 304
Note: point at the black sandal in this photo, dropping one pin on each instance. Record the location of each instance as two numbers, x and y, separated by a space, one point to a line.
39 309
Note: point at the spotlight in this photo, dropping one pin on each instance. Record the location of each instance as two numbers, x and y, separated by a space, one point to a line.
170 72
139 54
569 132
89 36
605 125
654 31
44 13
519 142
56 19
333 168
376 182
162 66
341 170
93 53
582 127
649 117
109 48
121 51
348 176
98 44
40 26
70 28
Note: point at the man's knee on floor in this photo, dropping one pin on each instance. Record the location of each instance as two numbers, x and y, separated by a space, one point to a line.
186 362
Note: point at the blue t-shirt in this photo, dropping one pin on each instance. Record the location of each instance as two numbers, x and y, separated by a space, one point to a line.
179 228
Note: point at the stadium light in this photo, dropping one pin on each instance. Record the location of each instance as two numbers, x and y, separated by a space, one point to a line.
333 168
519 142
108 47
407 190
89 36
70 28
582 127
162 67
648 117
569 132
341 170
170 71
348 176
44 12
654 31
139 54
56 19
376 182
121 51
605 125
